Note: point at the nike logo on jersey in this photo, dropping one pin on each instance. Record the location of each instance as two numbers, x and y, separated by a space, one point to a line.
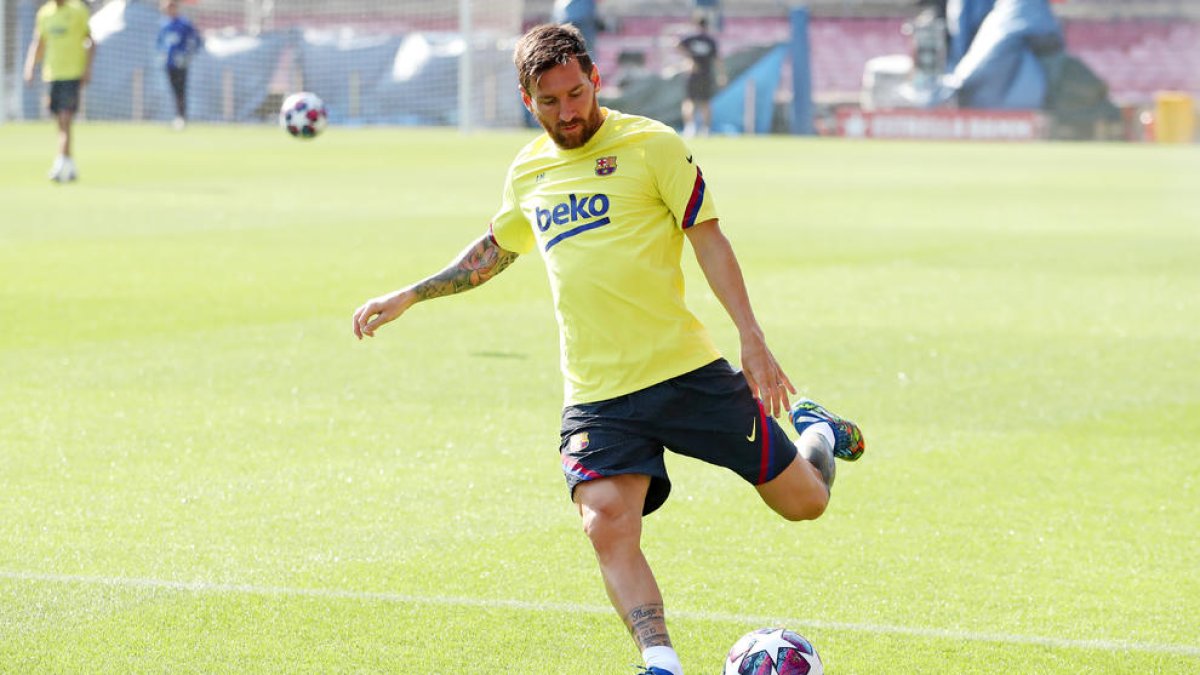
689 158
753 431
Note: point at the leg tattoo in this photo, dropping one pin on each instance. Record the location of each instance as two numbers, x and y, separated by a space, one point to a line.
648 625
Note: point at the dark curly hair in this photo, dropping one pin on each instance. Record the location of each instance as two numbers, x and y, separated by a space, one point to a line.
546 46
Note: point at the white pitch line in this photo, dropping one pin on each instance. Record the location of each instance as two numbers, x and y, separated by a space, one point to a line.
573 608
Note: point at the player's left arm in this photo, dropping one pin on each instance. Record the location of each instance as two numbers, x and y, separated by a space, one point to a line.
764 374
91 56
194 41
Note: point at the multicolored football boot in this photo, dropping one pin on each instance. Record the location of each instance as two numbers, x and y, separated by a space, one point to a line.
849 437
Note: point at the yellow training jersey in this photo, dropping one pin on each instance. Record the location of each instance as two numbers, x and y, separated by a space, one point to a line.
608 219
64 29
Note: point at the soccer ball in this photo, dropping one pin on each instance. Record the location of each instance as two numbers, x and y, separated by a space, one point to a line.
303 115
773 651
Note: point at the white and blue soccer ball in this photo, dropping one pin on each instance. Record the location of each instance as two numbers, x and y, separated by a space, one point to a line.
773 651
303 115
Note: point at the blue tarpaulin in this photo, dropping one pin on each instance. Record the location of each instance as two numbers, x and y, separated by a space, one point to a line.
1001 68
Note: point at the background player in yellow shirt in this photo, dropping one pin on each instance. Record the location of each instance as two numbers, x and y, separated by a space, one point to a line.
607 199
61 36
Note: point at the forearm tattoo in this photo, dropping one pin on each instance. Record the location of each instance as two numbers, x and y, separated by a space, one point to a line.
648 625
479 262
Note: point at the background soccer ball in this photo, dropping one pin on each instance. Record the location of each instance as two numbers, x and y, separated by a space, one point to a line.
303 115
773 651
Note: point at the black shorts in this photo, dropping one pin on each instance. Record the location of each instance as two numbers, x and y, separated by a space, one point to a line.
178 79
701 87
64 96
708 414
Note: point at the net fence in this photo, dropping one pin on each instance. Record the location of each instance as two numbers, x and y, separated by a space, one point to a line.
422 62
402 62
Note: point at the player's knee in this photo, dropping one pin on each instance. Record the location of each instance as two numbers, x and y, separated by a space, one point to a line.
610 524
805 506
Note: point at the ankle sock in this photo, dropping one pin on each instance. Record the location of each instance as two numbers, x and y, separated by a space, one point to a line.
664 658
824 430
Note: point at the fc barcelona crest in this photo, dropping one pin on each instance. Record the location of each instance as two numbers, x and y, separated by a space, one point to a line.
579 442
606 166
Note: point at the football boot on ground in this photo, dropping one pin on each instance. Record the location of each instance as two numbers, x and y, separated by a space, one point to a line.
849 445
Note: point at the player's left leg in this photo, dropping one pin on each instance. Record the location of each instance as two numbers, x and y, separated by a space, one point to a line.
716 418
823 436
68 171
61 109
64 119
178 79
704 108
844 435
801 491
63 169
64 102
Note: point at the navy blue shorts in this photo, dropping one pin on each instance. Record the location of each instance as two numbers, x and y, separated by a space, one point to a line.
701 87
64 95
708 414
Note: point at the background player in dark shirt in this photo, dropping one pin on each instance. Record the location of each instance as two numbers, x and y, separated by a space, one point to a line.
705 78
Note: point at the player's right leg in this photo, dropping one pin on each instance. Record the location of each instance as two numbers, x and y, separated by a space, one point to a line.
178 79
611 509
56 169
64 101
616 475
688 109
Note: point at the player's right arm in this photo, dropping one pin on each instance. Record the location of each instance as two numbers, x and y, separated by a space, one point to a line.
37 47
478 263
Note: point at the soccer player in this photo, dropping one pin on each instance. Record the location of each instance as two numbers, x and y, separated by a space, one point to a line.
703 80
179 40
582 14
62 36
607 199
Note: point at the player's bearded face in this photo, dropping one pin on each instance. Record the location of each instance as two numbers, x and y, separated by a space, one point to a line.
564 102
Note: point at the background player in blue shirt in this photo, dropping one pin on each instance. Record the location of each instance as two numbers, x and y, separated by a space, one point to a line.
179 40
582 14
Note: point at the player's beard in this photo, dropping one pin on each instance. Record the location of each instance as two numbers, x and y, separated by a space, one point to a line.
579 130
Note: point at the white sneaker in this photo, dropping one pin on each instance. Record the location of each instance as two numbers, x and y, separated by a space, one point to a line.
68 172
56 169
179 124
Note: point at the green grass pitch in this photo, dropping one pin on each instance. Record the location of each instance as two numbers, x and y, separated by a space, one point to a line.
202 471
